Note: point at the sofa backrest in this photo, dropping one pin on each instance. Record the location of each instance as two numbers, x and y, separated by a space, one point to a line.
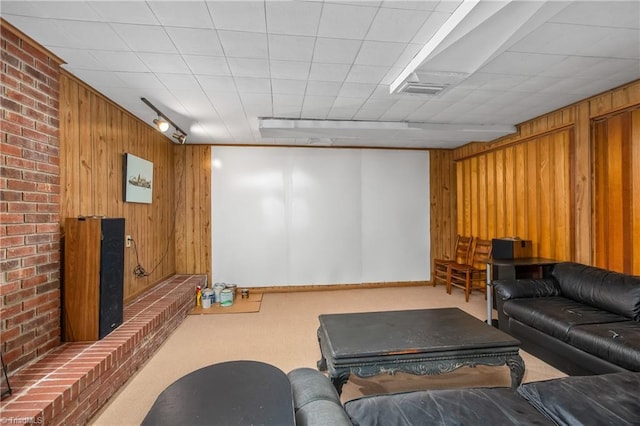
608 290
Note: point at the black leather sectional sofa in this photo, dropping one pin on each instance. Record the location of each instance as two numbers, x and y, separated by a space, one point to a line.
582 320
587 400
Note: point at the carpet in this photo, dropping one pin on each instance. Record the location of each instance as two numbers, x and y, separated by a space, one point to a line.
240 306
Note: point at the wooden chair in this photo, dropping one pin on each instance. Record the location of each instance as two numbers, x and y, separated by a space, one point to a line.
474 274
440 266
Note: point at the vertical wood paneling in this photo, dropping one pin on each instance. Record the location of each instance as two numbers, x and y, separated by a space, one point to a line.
95 133
635 191
193 209
529 179
615 181
443 190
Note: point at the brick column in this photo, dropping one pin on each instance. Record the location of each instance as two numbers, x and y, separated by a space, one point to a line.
29 200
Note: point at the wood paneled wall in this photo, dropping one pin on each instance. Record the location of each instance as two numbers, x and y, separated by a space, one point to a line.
521 190
551 183
94 135
442 178
193 218
616 155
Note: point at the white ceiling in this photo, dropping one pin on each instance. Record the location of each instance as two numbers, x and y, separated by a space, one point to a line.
320 71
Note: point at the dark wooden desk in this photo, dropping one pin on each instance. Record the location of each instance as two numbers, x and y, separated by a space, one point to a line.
511 269
229 393
423 341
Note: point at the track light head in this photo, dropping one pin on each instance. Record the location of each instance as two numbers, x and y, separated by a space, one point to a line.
161 124
181 138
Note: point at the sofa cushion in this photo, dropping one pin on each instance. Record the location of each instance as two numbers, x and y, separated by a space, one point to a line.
597 287
556 315
496 406
607 399
616 342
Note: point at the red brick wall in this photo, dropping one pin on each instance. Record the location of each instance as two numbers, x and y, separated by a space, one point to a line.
29 200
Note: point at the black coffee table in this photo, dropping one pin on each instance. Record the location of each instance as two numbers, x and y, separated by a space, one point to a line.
229 393
424 341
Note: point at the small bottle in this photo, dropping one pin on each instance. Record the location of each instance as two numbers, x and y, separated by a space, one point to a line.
198 296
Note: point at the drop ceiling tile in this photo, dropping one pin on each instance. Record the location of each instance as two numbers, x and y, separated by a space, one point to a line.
323 88
396 25
163 62
207 65
289 87
256 104
366 74
80 58
145 38
336 51
238 44
93 35
45 31
241 67
179 82
356 90
293 18
119 61
430 27
517 63
411 5
289 70
238 16
125 12
189 14
291 48
144 81
328 72
98 78
379 53
622 14
345 21
253 85
196 41
72 10
280 100
315 111
216 84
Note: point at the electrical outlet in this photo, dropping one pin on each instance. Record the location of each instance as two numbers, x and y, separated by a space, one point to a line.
127 241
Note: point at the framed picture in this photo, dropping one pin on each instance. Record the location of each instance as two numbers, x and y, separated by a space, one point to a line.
138 179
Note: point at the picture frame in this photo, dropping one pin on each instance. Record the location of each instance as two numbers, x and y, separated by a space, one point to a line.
138 179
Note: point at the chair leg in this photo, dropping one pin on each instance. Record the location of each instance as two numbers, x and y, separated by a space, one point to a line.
467 287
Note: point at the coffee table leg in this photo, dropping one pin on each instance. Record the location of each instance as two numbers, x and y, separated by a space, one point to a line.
339 379
322 362
516 365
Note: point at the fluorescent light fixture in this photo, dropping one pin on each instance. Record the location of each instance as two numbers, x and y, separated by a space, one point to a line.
450 24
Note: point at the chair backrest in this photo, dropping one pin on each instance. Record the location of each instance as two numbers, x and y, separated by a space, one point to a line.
481 253
463 248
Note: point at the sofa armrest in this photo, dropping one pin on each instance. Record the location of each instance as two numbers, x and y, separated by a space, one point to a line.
524 288
315 400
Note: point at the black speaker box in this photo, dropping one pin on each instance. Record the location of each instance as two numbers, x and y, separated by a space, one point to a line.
510 248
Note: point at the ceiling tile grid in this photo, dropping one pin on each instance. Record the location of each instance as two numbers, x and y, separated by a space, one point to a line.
218 67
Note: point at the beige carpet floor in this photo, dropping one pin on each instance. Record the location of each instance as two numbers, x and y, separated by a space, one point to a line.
283 333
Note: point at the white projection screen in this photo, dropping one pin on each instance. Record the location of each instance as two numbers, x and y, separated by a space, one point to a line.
311 216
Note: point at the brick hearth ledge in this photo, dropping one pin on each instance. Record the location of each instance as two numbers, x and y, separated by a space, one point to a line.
73 381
